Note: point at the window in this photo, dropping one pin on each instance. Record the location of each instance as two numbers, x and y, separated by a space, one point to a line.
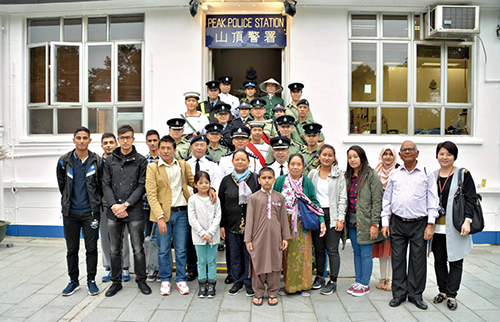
403 84
85 71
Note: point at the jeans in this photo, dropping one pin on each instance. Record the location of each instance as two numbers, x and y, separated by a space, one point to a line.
207 256
148 225
136 231
178 230
105 248
329 242
363 262
73 224
240 258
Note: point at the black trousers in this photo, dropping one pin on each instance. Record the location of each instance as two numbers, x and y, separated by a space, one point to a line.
192 258
89 224
330 243
448 280
411 284
136 231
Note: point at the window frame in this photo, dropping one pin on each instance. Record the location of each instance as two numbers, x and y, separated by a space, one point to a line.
411 104
83 103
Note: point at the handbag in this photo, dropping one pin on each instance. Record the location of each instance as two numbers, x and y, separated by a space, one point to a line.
477 224
307 217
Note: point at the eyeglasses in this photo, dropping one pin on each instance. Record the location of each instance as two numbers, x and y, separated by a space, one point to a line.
408 150
123 138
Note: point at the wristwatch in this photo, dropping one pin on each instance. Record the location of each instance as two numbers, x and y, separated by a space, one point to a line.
126 204
469 220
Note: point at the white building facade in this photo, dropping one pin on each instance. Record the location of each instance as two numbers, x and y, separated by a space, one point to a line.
371 77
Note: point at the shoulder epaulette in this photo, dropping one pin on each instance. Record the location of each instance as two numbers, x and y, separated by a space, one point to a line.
252 155
188 158
269 164
210 159
227 154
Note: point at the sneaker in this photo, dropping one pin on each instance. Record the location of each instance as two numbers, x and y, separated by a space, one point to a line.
318 283
361 290
107 276
158 279
165 288
151 276
249 290
183 288
71 288
351 289
329 288
236 288
125 274
93 290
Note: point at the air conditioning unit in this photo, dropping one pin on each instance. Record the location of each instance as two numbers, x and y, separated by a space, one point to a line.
451 22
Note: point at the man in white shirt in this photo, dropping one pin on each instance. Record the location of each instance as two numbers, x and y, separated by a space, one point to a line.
195 120
225 88
280 145
410 203
199 162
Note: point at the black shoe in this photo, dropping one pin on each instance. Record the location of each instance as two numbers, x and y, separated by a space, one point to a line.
419 303
452 304
439 298
396 301
191 276
145 289
329 288
236 288
202 284
249 290
318 283
220 248
113 289
211 288
228 280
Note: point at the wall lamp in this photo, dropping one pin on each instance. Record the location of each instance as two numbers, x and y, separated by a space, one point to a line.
290 7
194 5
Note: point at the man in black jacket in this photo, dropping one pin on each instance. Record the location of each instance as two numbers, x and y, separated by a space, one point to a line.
78 175
123 186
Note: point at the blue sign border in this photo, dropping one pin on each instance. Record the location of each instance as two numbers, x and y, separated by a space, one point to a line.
246 31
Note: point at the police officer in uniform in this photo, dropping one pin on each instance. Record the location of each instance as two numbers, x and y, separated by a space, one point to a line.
250 90
280 145
311 151
200 162
225 88
271 87
240 136
208 107
245 115
286 124
224 117
303 110
176 131
296 94
215 149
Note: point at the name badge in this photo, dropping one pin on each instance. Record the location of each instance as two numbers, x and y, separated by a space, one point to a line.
276 203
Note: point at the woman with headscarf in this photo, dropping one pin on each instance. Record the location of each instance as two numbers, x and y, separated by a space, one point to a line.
297 266
387 162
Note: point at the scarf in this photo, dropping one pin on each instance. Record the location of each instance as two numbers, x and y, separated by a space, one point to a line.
383 170
293 190
243 189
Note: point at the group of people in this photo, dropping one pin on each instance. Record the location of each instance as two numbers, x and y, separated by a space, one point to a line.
242 174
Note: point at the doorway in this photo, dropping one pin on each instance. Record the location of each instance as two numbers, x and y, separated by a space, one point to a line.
247 64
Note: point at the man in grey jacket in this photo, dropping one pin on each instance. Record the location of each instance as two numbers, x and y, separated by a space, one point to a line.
123 186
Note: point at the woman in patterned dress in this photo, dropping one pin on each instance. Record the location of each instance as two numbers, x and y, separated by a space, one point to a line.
297 263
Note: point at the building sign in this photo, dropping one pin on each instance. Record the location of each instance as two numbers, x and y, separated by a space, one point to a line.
245 31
